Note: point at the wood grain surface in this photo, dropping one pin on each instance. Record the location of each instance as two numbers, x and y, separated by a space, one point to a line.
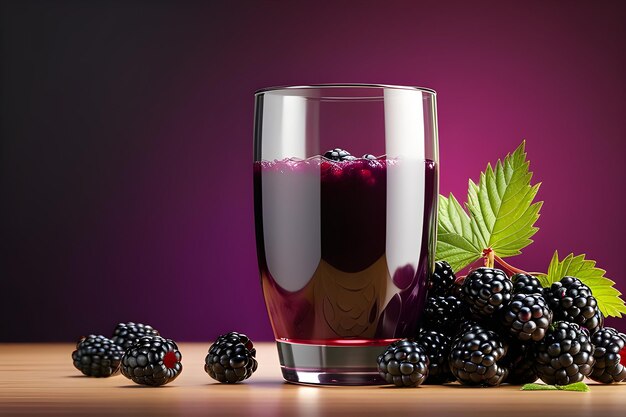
39 379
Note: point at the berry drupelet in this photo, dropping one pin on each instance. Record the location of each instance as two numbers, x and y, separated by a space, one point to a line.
404 363
476 355
125 334
97 356
152 360
486 290
437 348
610 356
231 358
526 284
565 355
572 301
527 317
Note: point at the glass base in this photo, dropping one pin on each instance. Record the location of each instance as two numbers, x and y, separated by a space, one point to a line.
342 364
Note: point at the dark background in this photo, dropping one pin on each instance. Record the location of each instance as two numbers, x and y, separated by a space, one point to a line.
126 153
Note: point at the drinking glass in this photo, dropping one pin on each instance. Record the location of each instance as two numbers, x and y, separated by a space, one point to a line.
345 201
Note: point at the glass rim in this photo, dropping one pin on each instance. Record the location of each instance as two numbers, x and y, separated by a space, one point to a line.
343 85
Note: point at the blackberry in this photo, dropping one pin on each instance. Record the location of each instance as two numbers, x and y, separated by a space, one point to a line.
437 348
125 334
572 301
526 284
339 154
610 356
442 280
486 291
520 360
231 358
443 313
565 355
369 156
476 357
152 360
527 317
404 363
97 356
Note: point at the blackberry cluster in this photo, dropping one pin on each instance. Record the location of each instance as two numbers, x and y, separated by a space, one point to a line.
515 331
442 280
152 360
526 284
565 355
572 301
97 356
339 154
486 291
231 358
527 317
476 355
610 356
437 348
125 334
404 363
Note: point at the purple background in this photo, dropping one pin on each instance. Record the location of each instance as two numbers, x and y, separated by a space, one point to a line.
126 172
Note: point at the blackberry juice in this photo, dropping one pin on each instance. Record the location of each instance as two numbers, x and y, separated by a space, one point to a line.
344 250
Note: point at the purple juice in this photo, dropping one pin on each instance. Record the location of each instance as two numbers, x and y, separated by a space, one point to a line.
345 248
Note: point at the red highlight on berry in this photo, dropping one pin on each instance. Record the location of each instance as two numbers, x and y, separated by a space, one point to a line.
170 360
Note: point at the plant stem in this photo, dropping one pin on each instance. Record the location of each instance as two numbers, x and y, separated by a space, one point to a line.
513 270
489 256
508 267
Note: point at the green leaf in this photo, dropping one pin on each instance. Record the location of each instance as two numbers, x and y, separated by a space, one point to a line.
502 212
576 386
608 297
538 387
455 241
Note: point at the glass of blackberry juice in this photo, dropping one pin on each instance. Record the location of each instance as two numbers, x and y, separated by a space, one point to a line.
345 195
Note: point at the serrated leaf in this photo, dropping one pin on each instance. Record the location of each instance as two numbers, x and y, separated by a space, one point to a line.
455 241
608 297
502 212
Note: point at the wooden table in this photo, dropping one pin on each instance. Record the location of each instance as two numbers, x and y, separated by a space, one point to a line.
39 379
